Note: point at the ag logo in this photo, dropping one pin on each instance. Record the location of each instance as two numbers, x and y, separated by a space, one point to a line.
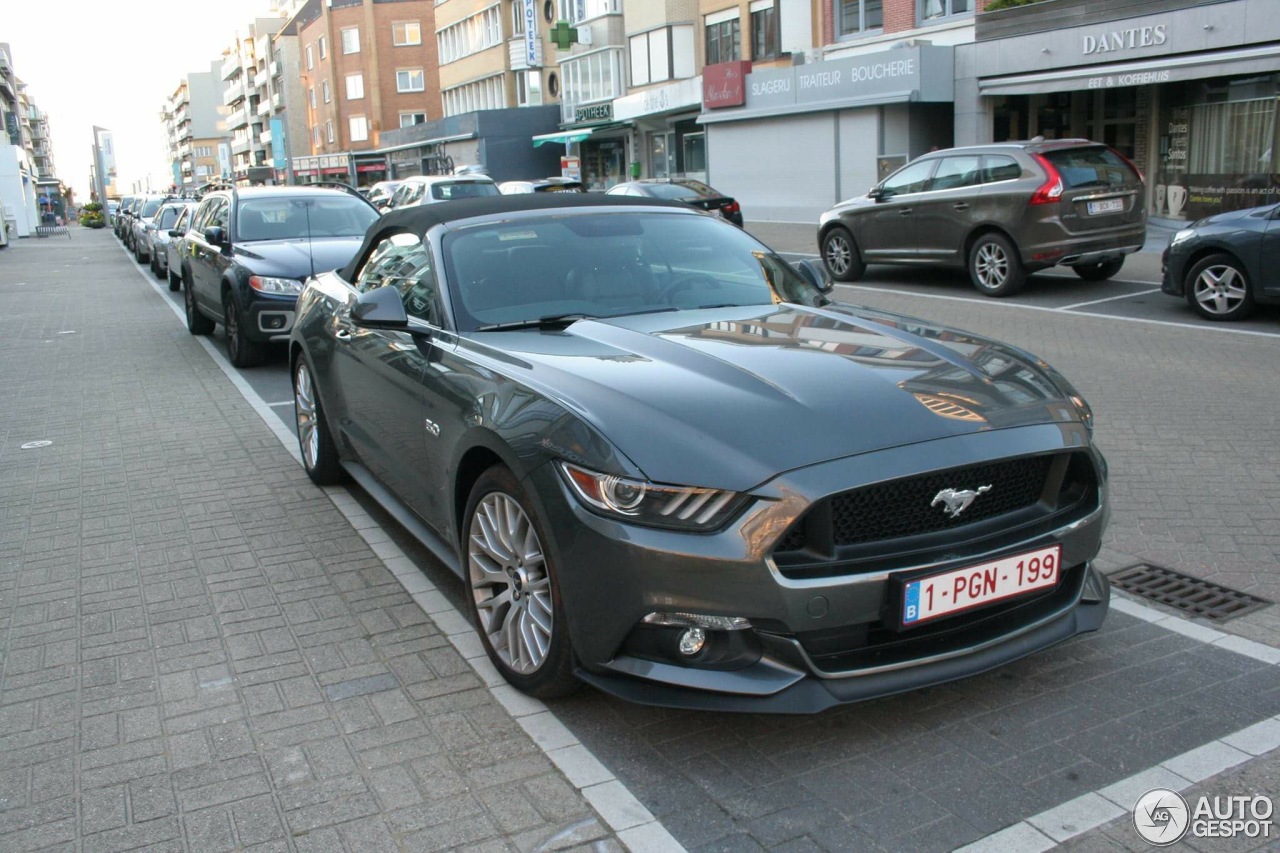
1161 816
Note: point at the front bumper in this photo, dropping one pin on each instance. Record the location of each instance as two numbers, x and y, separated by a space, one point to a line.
612 575
269 318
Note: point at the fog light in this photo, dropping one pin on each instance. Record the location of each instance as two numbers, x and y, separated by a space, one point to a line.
692 640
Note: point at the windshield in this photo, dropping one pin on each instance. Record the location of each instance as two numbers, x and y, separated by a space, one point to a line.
285 218
462 189
610 264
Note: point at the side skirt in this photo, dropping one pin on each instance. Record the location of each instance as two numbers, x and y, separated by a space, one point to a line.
407 518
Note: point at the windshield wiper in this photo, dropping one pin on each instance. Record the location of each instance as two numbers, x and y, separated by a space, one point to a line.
550 321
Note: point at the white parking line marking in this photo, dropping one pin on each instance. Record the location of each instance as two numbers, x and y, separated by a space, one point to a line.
1107 299
636 827
281 403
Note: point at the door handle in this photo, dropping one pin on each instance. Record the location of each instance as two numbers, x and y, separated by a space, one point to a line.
961 205
906 211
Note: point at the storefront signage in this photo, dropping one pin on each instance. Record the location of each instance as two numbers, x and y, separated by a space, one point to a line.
11 125
1137 78
531 51
723 84
674 96
1110 41
594 112
917 73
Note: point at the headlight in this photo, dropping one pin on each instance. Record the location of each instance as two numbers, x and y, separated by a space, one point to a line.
640 502
1182 236
282 286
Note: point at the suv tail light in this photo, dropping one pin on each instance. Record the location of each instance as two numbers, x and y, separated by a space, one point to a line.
1051 190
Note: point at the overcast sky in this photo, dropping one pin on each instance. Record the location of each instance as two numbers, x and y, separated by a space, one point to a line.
114 65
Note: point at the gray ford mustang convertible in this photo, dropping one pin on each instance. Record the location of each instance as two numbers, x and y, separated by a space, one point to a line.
666 464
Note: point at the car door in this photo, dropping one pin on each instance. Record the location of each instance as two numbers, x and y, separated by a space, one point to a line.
205 257
177 245
1266 275
942 216
887 230
381 373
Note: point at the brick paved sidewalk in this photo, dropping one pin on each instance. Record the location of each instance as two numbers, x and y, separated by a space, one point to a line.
199 651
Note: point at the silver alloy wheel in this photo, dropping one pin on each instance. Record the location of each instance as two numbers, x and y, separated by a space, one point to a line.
839 254
1220 289
509 583
304 407
991 265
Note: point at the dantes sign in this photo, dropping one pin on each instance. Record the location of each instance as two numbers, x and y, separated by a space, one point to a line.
724 84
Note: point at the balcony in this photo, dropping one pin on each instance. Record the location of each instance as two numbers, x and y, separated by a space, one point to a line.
237 118
519 59
260 78
265 107
184 150
265 137
186 166
274 68
233 93
231 66
240 146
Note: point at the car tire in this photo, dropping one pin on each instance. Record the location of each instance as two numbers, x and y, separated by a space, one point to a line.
155 267
175 281
995 267
319 452
1217 288
497 515
1100 271
841 256
197 323
240 350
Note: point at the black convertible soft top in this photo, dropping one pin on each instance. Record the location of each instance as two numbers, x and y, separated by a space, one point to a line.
421 218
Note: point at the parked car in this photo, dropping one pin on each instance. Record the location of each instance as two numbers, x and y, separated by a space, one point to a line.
587 406
542 185
1226 265
153 235
1001 211
379 195
176 247
112 208
144 212
429 189
249 250
123 221
687 190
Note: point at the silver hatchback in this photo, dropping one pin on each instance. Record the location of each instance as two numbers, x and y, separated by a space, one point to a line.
1001 211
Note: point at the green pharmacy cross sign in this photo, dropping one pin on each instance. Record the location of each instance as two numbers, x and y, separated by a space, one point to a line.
564 35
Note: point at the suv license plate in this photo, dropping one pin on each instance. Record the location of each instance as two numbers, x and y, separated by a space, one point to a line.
1111 205
974 586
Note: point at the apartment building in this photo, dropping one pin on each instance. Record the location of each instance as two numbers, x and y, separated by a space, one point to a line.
366 68
194 118
250 100
26 154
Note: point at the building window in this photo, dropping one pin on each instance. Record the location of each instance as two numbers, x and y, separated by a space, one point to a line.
351 40
487 94
311 97
328 130
859 16
577 11
930 10
724 37
311 59
473 34
355 87
589 78
315 136
765 41
410 119
324 51
359 128
517 17
410 80
528 88
405 33
662 54
325 94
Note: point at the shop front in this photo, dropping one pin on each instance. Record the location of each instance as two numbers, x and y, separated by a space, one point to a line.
1190 94
669 141
789 143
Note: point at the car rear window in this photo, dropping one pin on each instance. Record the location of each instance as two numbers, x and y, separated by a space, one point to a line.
463 189
1091 167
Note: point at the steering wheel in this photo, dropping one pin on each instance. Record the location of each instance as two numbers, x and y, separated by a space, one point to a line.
689 281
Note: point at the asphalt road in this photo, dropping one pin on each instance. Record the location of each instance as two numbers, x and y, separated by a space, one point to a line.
1052 744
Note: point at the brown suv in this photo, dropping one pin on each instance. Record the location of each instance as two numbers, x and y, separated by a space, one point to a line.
1002 211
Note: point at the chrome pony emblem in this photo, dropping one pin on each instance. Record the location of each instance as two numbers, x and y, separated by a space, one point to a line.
954 502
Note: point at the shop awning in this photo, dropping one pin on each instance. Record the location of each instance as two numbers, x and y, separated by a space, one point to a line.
1217 63
564 137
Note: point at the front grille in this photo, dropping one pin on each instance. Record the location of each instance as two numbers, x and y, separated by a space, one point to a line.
879 525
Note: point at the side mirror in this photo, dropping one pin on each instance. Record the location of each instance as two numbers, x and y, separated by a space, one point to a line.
215 235
815 273
876 194
174 232
380 308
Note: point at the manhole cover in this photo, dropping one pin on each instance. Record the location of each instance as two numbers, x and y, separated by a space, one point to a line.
32 445
1190 595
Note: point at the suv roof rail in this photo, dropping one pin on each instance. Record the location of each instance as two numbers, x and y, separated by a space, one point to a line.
335 185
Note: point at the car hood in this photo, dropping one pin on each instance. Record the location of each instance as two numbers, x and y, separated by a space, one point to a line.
297 258
1226 219
730 398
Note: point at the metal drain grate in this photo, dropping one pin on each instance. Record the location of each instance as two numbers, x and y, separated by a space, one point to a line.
1188 594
